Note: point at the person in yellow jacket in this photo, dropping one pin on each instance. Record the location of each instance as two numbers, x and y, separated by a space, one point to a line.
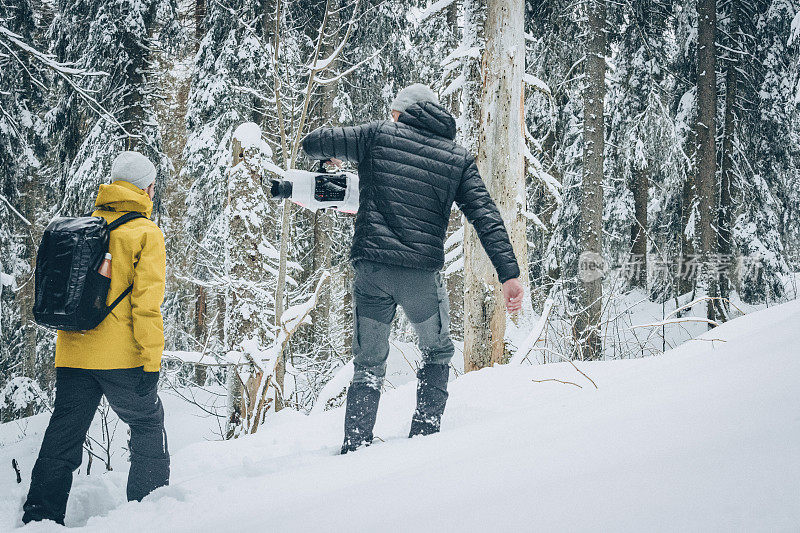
120 358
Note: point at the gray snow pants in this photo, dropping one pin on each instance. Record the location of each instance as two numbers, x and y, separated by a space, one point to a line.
377 290
78 393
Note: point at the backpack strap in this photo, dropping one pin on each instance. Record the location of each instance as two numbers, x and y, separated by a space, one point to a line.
116 302
127 217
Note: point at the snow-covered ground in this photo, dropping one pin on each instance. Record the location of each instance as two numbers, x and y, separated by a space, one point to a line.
703 438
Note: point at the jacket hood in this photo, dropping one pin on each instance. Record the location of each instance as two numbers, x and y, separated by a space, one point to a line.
430 117
122 196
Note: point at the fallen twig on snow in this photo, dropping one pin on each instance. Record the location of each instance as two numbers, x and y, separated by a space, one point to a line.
558 380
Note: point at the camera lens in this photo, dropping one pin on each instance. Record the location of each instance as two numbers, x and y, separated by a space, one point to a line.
281 189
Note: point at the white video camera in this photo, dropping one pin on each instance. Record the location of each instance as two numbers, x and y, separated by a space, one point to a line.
318 190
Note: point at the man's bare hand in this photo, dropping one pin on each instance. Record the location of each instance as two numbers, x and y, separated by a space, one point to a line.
335 162
513 294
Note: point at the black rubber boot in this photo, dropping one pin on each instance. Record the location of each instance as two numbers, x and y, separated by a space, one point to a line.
359 416
431 399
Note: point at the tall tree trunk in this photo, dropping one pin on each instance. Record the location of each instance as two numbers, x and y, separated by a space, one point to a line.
686 273
280 287
706 147
587 326
641 184
200 292
455 281
199 18
200 328
501 164
321 260
233 382
725 214
323 220
247 328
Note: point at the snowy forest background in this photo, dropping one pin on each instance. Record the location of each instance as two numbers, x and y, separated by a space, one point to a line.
692 199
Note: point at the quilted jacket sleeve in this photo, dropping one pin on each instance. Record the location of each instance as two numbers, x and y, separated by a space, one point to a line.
477 205
348 144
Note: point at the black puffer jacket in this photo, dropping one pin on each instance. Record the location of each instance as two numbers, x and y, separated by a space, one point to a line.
410 173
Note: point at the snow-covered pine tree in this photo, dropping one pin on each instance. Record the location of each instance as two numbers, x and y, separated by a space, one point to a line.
229 86
23 203
768 141
554 120
678 196
118 38
641 147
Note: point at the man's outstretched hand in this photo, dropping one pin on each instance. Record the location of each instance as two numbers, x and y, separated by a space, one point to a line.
513 293
335 163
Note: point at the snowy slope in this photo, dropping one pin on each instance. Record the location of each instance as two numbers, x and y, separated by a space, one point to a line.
705 437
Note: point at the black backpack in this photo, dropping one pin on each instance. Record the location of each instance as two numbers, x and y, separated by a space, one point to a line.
70 293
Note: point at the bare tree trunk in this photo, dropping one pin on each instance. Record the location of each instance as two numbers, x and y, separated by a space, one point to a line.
26 297
199 17
280 368
725 214
706 143
455 281
200 329
323 220
686 274
501 164
321 260
641 184
588 340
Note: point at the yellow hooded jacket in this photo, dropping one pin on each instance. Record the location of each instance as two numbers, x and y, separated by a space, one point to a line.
132 335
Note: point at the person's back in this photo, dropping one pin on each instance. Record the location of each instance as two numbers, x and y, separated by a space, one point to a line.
120 358
410 173
132 334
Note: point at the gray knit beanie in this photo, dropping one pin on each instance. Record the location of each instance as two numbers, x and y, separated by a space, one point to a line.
134 168
412 95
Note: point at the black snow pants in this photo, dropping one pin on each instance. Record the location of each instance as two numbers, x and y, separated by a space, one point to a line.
78 393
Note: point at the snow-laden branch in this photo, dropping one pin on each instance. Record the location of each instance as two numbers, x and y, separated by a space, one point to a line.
433 8
795 29
462 51
25 220
697 301
676 321
337 77
454 85
321 64
536 83
65 70
534 336
551 183
266 361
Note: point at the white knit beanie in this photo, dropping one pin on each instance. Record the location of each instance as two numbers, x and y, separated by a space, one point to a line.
412 95
134 168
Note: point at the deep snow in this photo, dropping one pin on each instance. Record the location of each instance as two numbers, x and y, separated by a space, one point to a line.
705 437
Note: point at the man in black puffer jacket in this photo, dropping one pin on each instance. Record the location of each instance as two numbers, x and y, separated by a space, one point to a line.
410 173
